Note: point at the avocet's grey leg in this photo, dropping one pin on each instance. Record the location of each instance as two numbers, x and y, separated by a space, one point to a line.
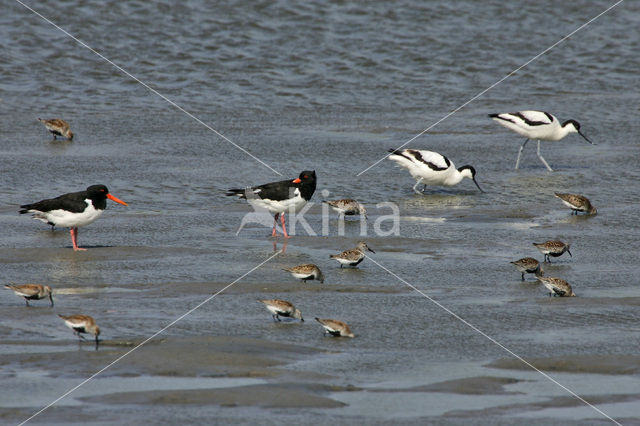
416 186
542 159
520 153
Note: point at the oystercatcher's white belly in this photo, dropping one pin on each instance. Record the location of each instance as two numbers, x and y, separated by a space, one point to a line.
293 204
65 218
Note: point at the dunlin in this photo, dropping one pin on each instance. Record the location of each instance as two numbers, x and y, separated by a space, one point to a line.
352 257
283 308
347 207
57 127
81 324
557 286
528 265
552 248
577 203
306 272
335 327
31 291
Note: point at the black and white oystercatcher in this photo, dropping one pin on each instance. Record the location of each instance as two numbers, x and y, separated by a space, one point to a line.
72 210
280 197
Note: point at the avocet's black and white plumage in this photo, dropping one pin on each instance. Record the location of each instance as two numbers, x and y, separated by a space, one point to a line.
280 197
431 168
537 125
72 210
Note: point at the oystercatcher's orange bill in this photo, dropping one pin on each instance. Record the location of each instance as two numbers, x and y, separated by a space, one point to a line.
112 198
296 180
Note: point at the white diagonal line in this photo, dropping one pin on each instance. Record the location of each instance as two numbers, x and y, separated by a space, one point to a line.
151 89
482 333
189 312
497 83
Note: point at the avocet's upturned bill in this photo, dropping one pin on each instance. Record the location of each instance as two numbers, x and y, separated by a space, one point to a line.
537 125
431 168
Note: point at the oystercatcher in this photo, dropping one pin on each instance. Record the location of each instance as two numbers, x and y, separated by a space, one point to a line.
58 127
538 125
72 210
431 168
280 197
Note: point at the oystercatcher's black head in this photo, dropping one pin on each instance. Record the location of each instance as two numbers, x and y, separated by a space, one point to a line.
307 183
101 192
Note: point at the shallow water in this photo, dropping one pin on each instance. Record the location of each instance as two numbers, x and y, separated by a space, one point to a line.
329 87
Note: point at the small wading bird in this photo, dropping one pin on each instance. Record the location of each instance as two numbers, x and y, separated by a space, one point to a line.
538 125
31 291
81 324
347 207
281 308
353 256
431 168
528 265
72 210
577 203
335 328
552 248
58 127
280 197
557 286
306 272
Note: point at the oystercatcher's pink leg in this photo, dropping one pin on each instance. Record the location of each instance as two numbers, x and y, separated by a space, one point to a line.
74 239
275 222
284 229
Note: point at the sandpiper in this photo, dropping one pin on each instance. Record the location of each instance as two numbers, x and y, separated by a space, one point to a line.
352 257
552 248
31 291
347 207
306 272
335 327
556 286
57 127
283 308
577 203
528 265
81 324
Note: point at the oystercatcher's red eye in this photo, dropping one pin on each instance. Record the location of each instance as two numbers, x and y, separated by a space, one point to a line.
306 177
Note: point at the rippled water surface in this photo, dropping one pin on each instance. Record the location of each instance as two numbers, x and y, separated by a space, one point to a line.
191 98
